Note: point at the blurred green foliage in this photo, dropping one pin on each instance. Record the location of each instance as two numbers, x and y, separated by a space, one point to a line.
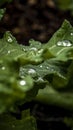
65 5
4 1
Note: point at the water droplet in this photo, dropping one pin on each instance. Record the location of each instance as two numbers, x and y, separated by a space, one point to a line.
40 51
31 71
71 33
41 66
23 49
65 43
34 43
33 49
52 69
22 82
3 68
9 39
9 52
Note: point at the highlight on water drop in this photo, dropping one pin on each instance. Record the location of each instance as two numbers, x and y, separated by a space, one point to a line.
64 43
9 39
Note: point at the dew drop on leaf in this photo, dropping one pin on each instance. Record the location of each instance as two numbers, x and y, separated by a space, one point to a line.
33 49
31 71
41 66
71 33
47 67
9 52
40 79
22 82
3 68
40 51
9 39
23 49
64 43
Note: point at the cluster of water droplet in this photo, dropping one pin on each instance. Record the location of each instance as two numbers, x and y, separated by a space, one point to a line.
64 43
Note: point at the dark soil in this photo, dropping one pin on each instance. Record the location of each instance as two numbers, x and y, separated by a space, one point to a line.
37 19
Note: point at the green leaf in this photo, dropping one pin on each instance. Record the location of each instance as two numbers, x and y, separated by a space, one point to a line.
9 122
26 69
61 43
49 70
16 88
59 90
24 54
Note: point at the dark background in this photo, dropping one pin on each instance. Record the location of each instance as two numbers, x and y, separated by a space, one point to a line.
37 19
